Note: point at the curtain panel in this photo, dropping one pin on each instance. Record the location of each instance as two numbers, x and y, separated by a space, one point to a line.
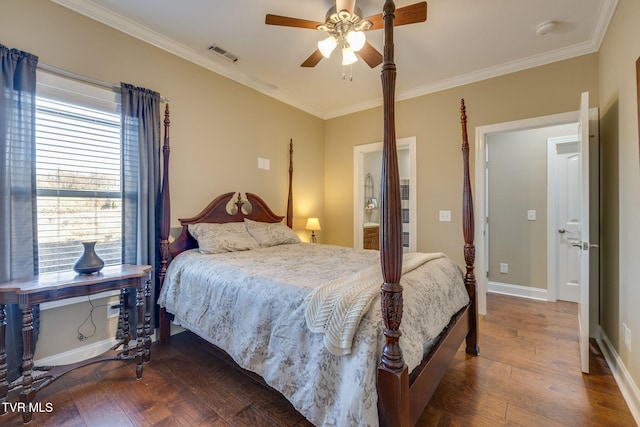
18 227
141 137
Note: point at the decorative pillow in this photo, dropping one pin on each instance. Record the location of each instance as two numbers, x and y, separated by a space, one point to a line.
271 234
217 238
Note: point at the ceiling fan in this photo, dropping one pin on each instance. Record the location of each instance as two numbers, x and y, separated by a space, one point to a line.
346 26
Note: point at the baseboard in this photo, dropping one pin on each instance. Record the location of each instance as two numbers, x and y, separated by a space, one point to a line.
77 354
518 291
627 386
91 350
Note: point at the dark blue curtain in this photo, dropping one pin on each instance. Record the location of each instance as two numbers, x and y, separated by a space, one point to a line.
18 227
141 177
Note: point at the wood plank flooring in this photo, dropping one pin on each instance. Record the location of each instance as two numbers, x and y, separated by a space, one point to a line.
527 374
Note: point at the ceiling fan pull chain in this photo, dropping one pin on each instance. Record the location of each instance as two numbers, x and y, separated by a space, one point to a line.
344 73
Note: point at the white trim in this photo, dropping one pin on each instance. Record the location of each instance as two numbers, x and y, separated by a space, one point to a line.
75 300
154 38
623 378
78 354
91 350
481 206
518 291
358 193
101 14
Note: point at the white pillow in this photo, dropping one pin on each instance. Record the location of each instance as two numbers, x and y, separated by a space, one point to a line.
218 238
271 234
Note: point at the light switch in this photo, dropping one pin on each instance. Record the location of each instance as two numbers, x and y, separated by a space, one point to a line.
531 215
445 216
263 163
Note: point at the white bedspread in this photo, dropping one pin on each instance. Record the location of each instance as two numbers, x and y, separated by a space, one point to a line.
252 305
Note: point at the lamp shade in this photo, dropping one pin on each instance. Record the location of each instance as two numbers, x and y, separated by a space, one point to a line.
348 56
327 45
356 40
312 224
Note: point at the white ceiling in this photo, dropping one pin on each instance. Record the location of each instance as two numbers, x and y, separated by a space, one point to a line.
462 41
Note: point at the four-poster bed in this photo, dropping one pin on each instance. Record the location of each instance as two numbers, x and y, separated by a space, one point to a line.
401 394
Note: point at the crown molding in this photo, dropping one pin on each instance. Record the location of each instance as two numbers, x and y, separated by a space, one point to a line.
94 11
104 16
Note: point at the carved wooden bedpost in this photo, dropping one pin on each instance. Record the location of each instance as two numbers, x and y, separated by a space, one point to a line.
393 376
468 232
165 224
290 197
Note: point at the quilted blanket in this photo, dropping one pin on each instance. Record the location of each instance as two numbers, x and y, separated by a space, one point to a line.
252 305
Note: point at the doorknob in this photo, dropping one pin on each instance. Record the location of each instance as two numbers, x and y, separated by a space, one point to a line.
585 245
562 231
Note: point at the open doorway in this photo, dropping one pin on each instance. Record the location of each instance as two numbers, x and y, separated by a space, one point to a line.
487 217
523 213
367 169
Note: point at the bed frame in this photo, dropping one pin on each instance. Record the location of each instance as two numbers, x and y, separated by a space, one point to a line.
402 397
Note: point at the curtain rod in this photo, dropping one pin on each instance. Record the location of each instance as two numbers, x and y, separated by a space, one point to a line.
84 79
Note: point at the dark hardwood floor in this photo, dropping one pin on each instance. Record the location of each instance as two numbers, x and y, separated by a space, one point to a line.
527 374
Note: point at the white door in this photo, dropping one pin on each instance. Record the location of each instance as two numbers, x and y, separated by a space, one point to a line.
568 205
582 244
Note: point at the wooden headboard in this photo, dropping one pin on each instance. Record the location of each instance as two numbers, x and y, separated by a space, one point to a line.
217 212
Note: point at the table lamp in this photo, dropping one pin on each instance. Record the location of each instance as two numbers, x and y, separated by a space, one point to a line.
313 224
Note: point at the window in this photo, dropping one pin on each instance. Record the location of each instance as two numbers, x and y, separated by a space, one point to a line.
78 172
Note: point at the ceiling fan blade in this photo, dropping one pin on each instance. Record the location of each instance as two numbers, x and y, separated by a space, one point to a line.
370 55
313 60
404 15
285 21
347 5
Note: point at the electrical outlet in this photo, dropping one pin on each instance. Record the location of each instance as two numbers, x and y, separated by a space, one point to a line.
626 336
113 310
504 267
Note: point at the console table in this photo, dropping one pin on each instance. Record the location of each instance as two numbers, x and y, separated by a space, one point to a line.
57 286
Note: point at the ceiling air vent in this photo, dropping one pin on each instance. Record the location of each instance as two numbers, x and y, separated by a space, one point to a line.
220 51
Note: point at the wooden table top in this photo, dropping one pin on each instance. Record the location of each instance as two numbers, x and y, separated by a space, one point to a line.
69 279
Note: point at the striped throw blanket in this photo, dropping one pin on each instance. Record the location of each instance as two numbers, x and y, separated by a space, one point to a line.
335 308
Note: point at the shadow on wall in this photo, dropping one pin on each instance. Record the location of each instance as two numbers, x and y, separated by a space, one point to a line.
610 223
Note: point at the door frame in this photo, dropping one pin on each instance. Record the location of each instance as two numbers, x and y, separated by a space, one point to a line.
358 189
481 182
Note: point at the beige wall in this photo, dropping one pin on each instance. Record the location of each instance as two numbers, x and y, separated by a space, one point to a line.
435 122
517 184
218 127
620 181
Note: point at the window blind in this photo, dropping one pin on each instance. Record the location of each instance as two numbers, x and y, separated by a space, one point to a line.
78 176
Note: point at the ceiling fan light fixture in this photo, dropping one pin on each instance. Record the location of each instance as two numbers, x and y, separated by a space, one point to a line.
356 40
327 46
344 15
364 25
348 55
